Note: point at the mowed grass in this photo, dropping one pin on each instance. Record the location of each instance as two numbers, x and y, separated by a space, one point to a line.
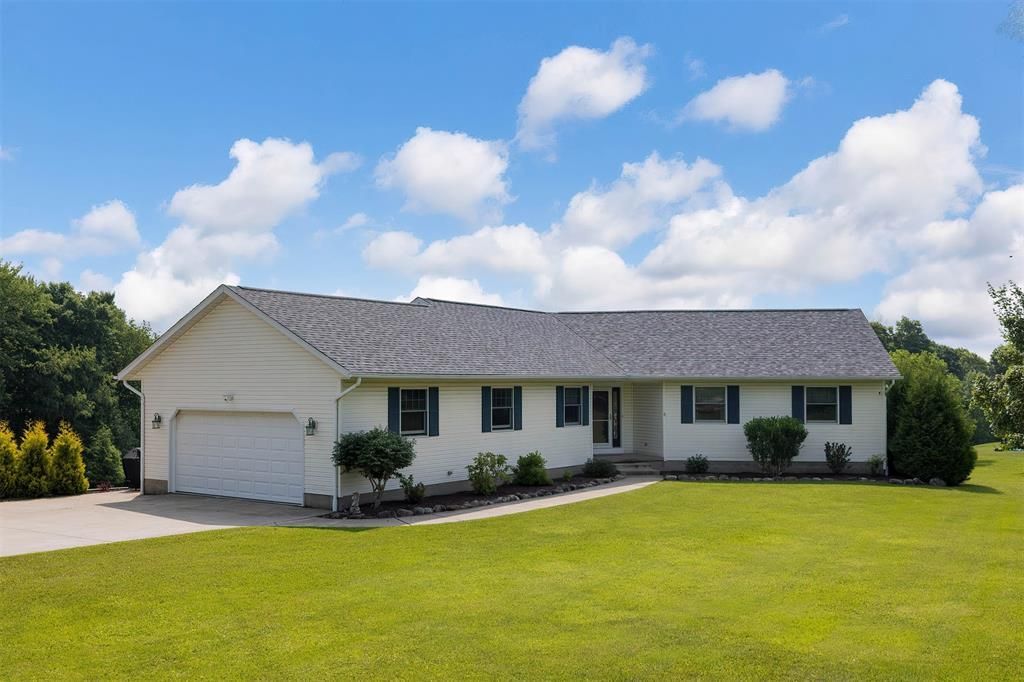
732 580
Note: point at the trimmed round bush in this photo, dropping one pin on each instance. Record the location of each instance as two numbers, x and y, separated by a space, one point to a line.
487 472
697 464
531 469
774 442
378 454
600 468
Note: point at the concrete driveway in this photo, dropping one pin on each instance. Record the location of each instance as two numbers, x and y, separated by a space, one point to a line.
62 522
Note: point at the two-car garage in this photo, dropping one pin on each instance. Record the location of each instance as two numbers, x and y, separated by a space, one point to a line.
255 455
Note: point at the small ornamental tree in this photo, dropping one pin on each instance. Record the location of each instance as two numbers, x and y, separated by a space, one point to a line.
68 467
837 456
930 431
377 454
774 442
102 460
487 472
8 462
34 469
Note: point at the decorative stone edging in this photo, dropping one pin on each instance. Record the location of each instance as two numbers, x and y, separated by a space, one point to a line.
938 482
421 510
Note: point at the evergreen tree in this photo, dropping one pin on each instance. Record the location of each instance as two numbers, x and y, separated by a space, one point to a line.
929 428
34 466
102 459
68 468
8 462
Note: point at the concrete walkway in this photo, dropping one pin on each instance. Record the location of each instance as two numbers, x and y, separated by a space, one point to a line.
623 486
63 522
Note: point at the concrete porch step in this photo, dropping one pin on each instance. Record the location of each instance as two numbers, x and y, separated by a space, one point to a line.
636 468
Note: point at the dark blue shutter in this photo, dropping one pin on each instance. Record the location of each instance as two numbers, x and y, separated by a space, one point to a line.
798 403
732 404
846 404
686 404
517 408
394 409
485 408
433 415
559 406
585 407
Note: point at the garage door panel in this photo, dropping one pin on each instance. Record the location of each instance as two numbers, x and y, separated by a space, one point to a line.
256 455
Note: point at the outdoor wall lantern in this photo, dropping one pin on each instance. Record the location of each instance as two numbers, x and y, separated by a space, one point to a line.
156 420
310 427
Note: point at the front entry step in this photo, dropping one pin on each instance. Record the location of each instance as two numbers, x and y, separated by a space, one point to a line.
636 468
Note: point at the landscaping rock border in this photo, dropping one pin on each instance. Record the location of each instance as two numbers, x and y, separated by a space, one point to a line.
423 509
937 482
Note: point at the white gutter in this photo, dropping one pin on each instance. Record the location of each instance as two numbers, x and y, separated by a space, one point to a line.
337 435
142 435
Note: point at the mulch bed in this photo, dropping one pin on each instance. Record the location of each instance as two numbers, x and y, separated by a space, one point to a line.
460 500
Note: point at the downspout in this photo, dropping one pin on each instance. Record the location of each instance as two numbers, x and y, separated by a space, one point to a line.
337 435
142 435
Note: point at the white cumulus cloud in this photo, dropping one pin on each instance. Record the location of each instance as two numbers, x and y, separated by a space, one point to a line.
105 229
580 83
631 205
752 102
453 289
446 172
225 224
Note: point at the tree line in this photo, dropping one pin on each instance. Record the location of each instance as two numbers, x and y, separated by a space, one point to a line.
59 352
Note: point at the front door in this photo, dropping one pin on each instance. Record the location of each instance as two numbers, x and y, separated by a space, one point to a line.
605 417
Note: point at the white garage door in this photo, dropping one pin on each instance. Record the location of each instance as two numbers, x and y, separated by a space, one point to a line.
255 455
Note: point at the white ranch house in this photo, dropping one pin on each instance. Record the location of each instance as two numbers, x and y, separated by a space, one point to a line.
246 394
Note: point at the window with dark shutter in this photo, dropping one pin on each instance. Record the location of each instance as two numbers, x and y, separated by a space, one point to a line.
502 409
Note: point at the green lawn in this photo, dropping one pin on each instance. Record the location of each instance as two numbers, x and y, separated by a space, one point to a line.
738 580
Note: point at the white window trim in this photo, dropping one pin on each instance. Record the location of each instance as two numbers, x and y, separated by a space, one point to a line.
511 410
835 389
565 404
725 411
426 410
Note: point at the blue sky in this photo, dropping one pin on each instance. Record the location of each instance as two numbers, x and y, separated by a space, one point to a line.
465 167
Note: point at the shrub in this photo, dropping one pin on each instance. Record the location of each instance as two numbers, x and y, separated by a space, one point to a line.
8 462
414 492
378 454
837 455
34 468
102 460
567 476
487 472
698 464
773 442
531 469
68 467
876 463
600 468
930 431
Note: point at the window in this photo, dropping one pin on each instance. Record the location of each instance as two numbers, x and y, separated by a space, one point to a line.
414 411
822 403
573 406
501 409
709 403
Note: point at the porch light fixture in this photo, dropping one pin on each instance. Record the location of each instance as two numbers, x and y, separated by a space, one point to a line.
310 427
156 420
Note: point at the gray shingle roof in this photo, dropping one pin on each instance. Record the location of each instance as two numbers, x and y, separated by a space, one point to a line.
435 338
737 343
430 337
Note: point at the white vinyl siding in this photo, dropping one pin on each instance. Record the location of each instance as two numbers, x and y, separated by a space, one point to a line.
460 438
231 351
726 442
